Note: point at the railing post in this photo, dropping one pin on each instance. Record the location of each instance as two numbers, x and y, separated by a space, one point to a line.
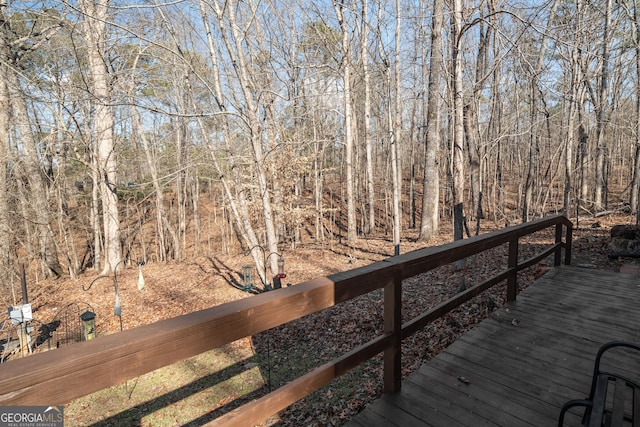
567 245
393 325
557 259
512 281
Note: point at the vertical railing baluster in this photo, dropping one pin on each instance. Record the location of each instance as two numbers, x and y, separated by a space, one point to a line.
512 281
393 325
567 246
557 259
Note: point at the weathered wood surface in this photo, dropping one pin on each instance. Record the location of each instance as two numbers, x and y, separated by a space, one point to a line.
524 362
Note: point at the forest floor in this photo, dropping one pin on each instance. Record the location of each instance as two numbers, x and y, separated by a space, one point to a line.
199 389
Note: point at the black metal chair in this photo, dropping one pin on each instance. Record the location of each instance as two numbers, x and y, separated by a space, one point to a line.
600 411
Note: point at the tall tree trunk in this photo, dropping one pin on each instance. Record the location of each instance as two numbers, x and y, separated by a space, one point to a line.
346 67
161 216
5 220
583 154
458 124
572 114
364 45
431 183
500 178
599 199
471 125
182 178
317 189
94 33
534 141
96 224
395 139
234 42
136 128
568 159
471 137
494 132
237 201
534 150
256 143
634 196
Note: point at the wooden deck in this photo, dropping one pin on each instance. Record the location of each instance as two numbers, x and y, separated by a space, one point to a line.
520 366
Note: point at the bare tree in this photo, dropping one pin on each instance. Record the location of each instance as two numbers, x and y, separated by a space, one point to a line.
163 226
631 9
396 132
5 220
346 65
458 121
94 32
600 102
247 73
19 113
537 114
431 183
366 75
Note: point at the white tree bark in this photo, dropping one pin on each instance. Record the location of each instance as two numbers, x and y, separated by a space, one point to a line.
366 75
94 31
255 132
234 190
346 66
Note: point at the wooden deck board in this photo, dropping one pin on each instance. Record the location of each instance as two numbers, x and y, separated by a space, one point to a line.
520 373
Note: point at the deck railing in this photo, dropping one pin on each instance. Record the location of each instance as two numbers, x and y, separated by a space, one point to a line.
97 364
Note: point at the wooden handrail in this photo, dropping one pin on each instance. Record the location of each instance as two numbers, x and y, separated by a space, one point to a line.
93 365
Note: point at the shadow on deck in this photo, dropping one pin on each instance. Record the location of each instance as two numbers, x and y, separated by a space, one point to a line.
518 367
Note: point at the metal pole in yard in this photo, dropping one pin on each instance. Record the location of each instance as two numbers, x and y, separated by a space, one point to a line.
25 297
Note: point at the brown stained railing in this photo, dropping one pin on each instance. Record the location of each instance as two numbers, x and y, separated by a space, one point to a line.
59 376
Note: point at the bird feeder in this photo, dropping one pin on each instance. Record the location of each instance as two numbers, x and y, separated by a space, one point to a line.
88 325
277 279
247 280
117 307
281 274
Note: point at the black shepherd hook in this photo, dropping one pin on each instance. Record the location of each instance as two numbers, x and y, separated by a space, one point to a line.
117 308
